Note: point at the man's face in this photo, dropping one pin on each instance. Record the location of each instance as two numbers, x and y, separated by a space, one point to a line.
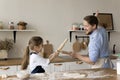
88 28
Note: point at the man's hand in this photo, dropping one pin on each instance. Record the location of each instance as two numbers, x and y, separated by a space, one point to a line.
74 55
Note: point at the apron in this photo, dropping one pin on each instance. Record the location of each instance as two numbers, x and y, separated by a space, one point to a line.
103 63
38 68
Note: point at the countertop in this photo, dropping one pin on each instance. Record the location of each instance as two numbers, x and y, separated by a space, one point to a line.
59 59
91 74
17 61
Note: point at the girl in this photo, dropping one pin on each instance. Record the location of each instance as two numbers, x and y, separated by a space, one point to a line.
32 57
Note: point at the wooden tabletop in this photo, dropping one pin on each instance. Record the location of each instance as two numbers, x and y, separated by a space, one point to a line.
10 62
92 74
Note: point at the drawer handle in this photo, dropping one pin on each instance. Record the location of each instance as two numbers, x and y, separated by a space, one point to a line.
6 68
59 64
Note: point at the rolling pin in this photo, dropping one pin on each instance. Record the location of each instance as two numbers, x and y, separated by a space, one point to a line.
62 45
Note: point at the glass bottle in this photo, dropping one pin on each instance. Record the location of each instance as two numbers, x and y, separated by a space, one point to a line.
11 25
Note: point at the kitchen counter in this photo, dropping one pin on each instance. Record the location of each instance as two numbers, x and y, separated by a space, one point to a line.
59 59
10 62
17 61
91 74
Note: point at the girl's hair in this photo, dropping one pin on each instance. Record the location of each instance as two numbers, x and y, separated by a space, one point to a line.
34 41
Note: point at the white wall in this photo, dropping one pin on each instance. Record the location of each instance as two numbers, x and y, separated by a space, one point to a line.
53 18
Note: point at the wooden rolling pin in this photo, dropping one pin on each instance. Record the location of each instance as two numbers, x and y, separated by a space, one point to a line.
4 68
62 45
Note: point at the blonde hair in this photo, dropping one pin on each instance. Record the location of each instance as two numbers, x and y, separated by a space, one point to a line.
34 41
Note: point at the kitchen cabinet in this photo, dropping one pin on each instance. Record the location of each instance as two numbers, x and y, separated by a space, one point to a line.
14 32
66 66
56 67
77 66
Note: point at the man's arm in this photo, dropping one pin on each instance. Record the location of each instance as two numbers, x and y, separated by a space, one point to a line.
82 57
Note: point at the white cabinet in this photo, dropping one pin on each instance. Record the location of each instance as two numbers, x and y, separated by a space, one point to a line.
66 66
76 66
8 70
56 67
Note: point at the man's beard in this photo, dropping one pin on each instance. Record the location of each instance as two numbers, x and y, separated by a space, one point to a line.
88 33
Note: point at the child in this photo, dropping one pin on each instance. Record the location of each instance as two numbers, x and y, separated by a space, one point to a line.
32 57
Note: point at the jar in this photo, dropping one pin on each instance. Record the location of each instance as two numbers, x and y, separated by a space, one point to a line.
118 65
11 25
21 25
1 25
81 26
75 26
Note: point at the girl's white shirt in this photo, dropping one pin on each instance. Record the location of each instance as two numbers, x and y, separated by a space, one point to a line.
37 60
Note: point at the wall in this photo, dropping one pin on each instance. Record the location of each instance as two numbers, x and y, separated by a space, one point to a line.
53 18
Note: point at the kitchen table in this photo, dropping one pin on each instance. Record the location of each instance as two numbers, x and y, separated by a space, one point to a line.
91 74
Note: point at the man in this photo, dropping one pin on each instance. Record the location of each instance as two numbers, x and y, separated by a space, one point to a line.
98 46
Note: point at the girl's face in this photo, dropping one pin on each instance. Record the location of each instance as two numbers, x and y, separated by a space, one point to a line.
38 48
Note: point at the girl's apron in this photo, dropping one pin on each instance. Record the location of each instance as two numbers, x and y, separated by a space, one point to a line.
103 63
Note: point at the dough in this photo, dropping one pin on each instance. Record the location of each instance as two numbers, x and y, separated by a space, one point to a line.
39 76
4 76
23 74
74 75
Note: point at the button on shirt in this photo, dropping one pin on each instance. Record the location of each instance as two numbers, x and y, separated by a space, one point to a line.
37 60
98 45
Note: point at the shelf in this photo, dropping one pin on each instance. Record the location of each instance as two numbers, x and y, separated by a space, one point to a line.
71 31
14 32
82 31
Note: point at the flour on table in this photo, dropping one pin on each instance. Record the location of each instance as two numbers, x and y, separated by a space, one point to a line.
74 75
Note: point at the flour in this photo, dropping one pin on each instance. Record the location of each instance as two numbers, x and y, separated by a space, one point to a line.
74 75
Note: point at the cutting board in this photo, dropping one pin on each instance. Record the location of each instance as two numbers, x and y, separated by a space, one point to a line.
48 49
76 46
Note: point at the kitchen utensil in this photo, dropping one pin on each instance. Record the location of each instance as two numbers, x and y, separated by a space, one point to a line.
4 68
87 42
76 46
83 44
48 49
79 62
62 45
65 52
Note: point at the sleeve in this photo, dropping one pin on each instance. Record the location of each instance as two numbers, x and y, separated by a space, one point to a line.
94 47
38 60
43 62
